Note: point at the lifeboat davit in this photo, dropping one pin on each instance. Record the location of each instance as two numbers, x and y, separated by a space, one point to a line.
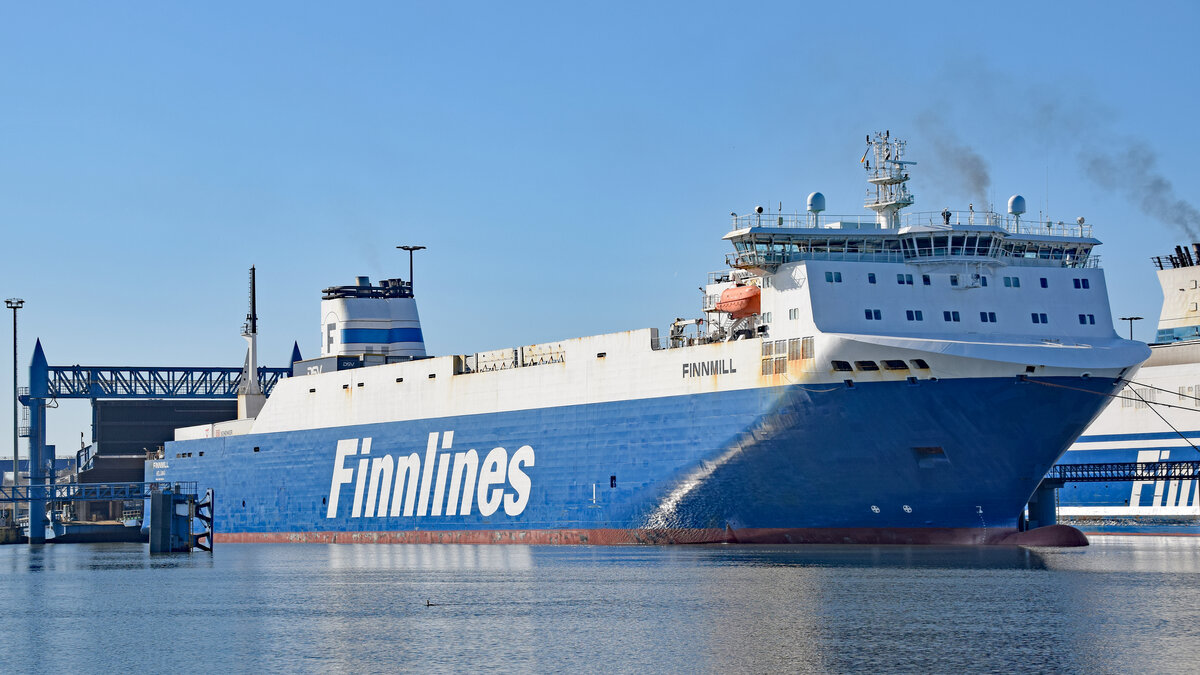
740 302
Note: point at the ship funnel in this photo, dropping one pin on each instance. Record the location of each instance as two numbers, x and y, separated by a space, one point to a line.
371 319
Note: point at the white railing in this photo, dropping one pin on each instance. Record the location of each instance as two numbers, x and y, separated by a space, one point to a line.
937 219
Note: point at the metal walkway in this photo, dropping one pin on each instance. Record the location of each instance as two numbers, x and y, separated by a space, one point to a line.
92 492
1123 471
132 382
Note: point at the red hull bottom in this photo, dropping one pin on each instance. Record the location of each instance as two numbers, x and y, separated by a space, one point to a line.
1053 535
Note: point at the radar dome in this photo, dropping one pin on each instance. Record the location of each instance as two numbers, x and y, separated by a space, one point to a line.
816 202
1016 205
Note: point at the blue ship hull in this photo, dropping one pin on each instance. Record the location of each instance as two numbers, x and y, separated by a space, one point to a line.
938 461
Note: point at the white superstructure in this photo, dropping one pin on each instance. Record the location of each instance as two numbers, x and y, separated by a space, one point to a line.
1156 417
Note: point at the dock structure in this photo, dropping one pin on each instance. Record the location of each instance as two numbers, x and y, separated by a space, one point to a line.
52 383
173 508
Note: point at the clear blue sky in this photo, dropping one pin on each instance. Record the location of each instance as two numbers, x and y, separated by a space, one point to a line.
570 166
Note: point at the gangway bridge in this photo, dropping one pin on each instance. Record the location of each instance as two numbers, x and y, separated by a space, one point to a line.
91 492
1114 472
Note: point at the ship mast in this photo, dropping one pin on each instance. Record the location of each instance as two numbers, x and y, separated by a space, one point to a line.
887 176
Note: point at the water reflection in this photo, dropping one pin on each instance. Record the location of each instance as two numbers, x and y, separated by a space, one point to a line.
379 608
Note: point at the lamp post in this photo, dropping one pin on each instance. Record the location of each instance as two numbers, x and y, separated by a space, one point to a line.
1131 319
14 304
410 250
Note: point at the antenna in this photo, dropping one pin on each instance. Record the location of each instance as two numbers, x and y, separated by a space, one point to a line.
887 179
250 332
251 327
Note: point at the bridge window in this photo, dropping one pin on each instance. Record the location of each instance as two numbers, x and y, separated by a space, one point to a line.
866 365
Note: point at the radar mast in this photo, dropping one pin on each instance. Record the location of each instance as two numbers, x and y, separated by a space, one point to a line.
888 176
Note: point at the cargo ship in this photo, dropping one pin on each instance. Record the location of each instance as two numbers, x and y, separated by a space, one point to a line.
1154 418
891 378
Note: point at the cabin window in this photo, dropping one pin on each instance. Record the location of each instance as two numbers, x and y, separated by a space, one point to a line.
987 317
1045 284
768 348
806 348
1012 282
873 314
842 366
983 280
866 365
766 317
925 279
1087 319
870 277
793 349
914 315
794 313
920 364
950 315
1082 283
895 364
1039 317
904 279
953 279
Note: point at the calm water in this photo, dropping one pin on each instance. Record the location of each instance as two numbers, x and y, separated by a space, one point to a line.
1125 604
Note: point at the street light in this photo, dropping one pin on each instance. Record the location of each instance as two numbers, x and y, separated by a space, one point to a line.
1131 319
410 250
14 304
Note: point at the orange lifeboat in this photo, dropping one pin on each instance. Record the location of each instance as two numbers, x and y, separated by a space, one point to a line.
740 302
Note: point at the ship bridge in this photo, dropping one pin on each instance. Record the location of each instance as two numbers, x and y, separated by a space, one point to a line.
763 240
